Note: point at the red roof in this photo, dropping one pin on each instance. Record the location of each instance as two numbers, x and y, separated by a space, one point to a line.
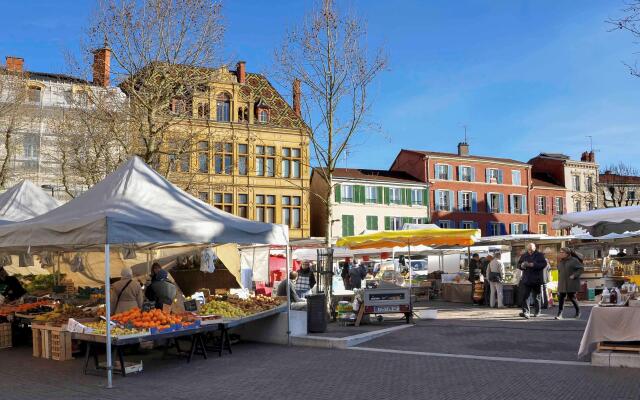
374 174
469 157
619 179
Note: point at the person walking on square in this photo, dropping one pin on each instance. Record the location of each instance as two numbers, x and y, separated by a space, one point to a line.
496 274
569 270
532 263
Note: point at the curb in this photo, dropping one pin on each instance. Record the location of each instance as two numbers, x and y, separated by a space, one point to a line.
342 343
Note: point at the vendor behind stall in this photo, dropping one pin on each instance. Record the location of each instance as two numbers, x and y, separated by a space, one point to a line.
10 287
160 291
126 293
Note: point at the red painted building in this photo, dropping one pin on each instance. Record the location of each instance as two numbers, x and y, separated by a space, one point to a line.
546 199
469 191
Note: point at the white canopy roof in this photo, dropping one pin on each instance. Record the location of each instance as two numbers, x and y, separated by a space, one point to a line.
136 206
24 201
602 221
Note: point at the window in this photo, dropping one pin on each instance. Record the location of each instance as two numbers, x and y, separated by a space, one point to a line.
243 159
395 195
34 94
494 175
590 205
203 156
541 205
263 116
398 223
372 223
516 178
243 114
265 208
443 172
178 106
559 208
444 224
347 225
518 229
518 204
224 158
467 225
185 161
223 201
443 200
30 146
577 206
291 162
416 196
347 194
204 196
466 201
265 160
465 174
243 205
291 207
589 184
203 110
542 229
576 183
495 203
371 195
631 195
223 108
494 229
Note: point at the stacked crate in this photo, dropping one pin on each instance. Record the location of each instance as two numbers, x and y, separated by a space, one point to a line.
5 336
51 342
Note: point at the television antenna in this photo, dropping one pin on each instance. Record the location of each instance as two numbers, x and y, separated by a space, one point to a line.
591 144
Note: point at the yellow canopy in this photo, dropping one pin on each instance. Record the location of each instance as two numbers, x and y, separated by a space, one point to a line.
415 237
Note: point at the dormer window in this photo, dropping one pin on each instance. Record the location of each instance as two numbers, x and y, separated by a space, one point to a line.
262 111
178 106
223 107
263 116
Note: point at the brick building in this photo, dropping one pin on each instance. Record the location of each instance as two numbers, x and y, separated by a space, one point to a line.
470 191
616 190
546 199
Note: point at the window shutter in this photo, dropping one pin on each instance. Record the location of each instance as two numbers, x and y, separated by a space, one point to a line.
387 223
451 200
380 194
537 199
512 228
474 202
473 174
487 175
409 197
549 205
386 196
500 176
525 227
524 205
460 202
459 172
488 202
425 197
403 197
337 193
501 202
512 205
490 231
450 172
503 229
374 222
362 196
475 225
436 199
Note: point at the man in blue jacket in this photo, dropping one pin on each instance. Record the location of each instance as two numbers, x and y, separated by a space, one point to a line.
532 263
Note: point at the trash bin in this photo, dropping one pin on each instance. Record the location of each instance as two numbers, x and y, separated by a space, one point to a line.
316 313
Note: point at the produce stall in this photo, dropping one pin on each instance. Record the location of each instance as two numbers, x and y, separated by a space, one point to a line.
407 238
133 209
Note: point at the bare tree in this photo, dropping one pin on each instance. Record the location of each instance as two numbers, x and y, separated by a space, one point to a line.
618 185
629 22
327 54
13 94
163 51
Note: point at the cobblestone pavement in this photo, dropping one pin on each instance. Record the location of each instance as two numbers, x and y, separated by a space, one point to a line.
278 372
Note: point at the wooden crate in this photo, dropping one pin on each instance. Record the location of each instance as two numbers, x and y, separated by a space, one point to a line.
631 347
51 342
5 336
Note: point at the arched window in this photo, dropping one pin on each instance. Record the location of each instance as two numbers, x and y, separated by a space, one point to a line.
263 116
223 107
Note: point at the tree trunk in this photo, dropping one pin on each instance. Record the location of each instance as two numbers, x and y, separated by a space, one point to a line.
8 137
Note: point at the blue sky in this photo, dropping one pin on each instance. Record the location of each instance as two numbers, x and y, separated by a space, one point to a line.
525 76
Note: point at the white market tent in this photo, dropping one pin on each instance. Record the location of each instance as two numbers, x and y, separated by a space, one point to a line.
135 207
24 201
602 221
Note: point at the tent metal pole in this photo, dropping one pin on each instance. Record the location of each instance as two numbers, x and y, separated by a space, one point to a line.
107 301
289 268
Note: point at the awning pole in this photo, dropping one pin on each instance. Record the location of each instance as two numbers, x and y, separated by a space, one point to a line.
107 301
289 268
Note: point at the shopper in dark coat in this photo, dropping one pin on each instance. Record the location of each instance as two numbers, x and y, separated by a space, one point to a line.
474 267
569 270
532 263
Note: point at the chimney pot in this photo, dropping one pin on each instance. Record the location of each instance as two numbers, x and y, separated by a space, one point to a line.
102 66
241 72
463 149
296 96
592 156
15 64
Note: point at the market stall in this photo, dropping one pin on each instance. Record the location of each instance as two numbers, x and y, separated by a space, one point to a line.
133 208
379 300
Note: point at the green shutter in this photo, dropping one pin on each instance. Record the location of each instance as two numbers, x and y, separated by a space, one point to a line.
425 197
361 194
386 196
409 203
347 225
379 195
387 223
337 193
403 197
372 222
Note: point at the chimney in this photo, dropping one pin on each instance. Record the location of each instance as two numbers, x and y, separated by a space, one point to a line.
15 64
296 96
585 156
592 156
102 66
463 149
241 72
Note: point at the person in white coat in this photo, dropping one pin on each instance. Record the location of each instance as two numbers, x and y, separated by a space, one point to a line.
495 275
